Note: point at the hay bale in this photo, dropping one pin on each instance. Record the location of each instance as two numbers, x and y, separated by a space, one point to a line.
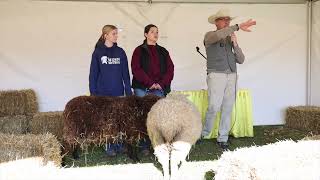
305 118
14 124
44 122
13 147
18 102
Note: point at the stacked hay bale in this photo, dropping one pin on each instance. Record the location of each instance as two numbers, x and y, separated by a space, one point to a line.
305 118
19 110
44 122
16 109
14 124
13 147
18 102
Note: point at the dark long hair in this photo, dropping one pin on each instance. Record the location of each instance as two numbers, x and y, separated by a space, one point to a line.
148 27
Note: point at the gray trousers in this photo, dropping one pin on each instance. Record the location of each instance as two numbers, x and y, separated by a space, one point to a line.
221 97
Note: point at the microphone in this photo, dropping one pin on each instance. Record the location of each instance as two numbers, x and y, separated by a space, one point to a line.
198 50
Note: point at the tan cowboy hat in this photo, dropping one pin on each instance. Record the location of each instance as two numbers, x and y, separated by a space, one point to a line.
219 14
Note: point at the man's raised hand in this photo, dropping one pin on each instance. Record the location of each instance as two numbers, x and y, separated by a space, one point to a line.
245 25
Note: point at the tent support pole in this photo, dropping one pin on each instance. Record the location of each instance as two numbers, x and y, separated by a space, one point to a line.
309 16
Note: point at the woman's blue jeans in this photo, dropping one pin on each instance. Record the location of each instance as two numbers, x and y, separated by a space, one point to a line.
144 92
145 144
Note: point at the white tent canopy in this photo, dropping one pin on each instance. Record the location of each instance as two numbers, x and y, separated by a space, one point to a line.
200 1
47 46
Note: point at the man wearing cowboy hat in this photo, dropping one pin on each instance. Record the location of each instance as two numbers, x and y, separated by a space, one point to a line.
223 53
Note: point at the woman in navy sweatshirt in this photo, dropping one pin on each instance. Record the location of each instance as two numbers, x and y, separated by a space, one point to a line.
109 74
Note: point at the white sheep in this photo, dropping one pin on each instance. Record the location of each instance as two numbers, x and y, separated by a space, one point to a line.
173 125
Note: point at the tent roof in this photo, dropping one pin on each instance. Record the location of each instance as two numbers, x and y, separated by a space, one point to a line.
202 1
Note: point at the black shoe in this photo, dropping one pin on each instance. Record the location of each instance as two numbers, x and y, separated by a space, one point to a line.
145 152
111 153
223 145
200 140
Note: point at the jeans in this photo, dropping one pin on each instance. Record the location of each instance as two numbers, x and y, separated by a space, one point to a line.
145 144
114 148
144 92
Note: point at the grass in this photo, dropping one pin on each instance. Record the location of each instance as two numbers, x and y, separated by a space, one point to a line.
207 150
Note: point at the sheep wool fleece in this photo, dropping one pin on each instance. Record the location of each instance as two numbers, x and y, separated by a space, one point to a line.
172 119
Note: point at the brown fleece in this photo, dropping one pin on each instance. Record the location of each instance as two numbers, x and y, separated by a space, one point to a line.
101 119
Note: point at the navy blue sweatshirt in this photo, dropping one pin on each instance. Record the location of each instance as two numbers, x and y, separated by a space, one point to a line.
109 74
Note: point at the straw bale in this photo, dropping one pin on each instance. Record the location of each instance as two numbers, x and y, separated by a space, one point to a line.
18 102
14 124
44 122
13 147
305 118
